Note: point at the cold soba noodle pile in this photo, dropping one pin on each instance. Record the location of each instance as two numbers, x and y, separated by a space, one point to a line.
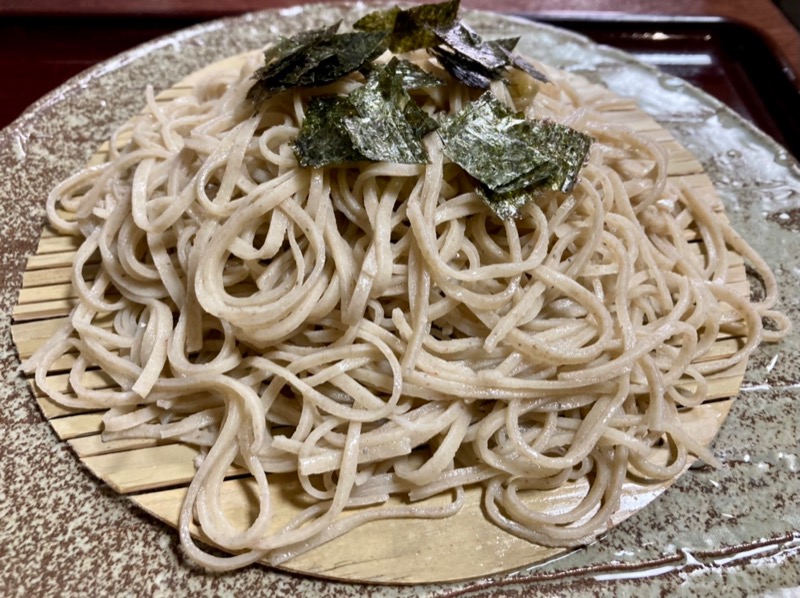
377 330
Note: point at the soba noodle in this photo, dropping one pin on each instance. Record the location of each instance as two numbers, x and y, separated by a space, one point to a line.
377 332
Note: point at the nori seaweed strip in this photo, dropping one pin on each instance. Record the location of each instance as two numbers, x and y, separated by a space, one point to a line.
465 70
286 56
511 157
413 77
505 44
505 205
323 138
489 141
412 28
350 52
378 20
421 122
522 64
468 44
567 148
288 46
508 200
314 59
382 131
378 121
474 61
319 57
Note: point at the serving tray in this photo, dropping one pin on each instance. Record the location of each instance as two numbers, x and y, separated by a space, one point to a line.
62 530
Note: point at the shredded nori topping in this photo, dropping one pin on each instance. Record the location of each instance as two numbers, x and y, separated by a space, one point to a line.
505 44
382 130
468 44
567 149
321 56
379 20
323 138
378 121
510 156
413 77
476 62
522 64
313 59
412 28
489 141
505 206
293 46
465 70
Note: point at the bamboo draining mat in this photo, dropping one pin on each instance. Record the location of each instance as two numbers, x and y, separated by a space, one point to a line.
155 474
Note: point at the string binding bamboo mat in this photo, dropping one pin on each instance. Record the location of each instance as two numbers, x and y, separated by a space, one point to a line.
155 474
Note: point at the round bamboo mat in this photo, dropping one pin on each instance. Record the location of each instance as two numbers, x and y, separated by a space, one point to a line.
155 474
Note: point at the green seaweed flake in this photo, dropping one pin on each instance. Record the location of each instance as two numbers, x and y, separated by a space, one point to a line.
520 63
379 121
389 126
511 157
378 20
420 121
475 62
468 58
505 44
294 46
465 70
505 206
323 139
568 149
313 59
285 58
413 77
321 56
468 44
488 141
350 52
413 28
508 200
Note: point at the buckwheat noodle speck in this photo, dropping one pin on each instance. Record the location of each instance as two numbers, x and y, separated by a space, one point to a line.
377 332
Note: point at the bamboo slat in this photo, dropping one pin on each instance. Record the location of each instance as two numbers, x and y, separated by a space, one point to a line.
52 410
48 261
156 473
90 446
78 425
140 469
